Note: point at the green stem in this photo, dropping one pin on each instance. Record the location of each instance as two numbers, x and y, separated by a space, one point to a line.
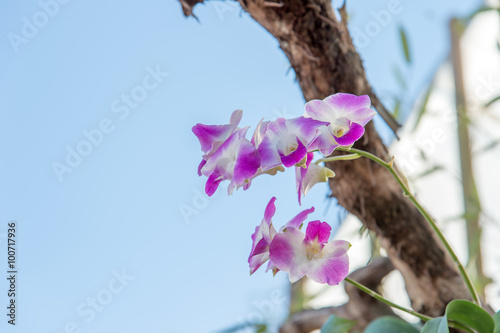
389 166
386 301
338 158
394 305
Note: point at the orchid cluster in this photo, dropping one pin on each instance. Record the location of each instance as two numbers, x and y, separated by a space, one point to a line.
333 123
299 254
336 121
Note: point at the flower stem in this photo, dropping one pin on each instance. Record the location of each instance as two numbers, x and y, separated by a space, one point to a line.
402 308
386 301
389 166
338 158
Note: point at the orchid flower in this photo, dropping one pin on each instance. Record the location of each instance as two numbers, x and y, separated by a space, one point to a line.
264 234
308 176
211 137
347 115
311 254
285 141
236 159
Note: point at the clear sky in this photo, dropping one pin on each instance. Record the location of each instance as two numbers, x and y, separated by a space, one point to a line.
103 245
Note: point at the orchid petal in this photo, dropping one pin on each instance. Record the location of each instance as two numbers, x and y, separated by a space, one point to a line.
288 253
298 220
355 132
294 157
333 267
211 137
319 230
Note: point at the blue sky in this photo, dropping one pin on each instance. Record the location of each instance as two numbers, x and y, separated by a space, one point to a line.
103 244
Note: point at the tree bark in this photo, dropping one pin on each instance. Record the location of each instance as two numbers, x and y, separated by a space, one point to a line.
321 52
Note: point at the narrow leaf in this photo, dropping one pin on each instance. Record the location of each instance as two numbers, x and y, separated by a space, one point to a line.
404 43
336 324
492 101
423 106
470 315
397 108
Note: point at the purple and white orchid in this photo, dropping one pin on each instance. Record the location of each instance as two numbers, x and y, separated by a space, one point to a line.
338 120
264 234
286 141
211 137
236 159
346 114
308 176
297 254
310 255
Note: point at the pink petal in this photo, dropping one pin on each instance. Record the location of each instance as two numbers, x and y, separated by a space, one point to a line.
333 266
346 104
287 252
259 132
213 182
355 132
247 162
320 110
202 164
319 230
306 129
324 142
269 155
298 220
256 261
211 137
307 178
294 157
270 210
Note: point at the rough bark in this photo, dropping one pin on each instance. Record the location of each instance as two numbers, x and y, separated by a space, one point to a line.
325 61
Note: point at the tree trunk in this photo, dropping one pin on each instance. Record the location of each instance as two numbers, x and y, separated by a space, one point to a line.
325 61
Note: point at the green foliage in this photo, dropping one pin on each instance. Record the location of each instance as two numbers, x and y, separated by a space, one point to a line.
404 44
336 324
390 325
436 325
496 320
470 315
423 106
492 101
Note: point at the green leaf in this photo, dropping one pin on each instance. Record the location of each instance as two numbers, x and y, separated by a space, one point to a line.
496 319
336 324
404 43
436 325
423 106
390 325
492 101
397 107
470 315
